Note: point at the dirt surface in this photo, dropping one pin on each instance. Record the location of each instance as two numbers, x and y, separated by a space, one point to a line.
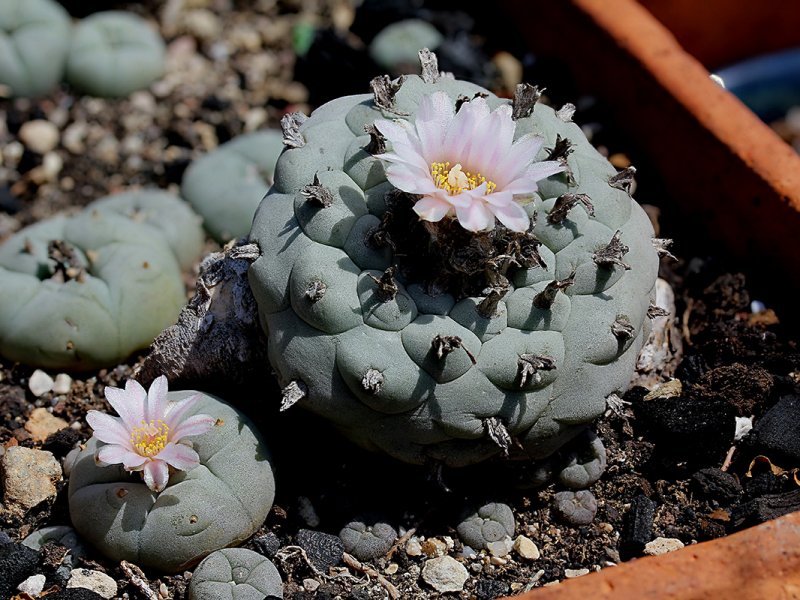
674 469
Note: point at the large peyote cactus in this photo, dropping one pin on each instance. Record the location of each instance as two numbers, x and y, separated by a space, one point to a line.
411 320
84 292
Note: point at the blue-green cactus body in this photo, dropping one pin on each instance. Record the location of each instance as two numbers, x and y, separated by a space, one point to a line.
114 53
226 185
112 283
367 362
219 503
34 40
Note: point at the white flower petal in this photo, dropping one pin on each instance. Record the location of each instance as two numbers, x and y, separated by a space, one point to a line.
156 399
176 411
156 475
475 217
432 208
179 456
514 164
460 130
434 113
112 454
410 180
129 403
511 214
544 169
108 429
195 425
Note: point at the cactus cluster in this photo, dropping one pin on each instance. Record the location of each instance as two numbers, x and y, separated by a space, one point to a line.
85 291
424 339
110 53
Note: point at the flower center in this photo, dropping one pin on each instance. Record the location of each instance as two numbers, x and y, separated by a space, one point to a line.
455 179
150 438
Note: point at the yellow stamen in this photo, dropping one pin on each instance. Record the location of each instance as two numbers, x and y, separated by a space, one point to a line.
455 179
150 438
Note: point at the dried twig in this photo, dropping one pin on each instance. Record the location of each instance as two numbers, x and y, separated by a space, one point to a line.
139 581
353 563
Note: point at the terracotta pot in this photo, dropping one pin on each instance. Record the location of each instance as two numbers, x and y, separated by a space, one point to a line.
728 174
755 564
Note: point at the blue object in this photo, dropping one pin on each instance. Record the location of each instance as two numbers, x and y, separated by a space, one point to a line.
769 85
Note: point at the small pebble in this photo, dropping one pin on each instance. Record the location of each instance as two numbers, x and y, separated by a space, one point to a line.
662 545
445 574
413 547
96 581
572 573
744 425
33 585
28 477
391 569
40 383
323 549
525 547
433 548
39 135
62 384
41 424
310 585
500 548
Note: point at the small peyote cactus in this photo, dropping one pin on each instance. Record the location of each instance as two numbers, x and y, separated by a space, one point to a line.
395 47
85 291
235 574
226 185
34 40
439 292
114 53
169 519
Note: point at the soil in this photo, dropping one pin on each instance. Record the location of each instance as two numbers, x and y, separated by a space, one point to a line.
674 469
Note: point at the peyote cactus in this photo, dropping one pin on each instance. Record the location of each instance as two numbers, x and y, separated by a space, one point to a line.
399 309
174 528
235 574
84 292
114 53
226 185
34 40
395 47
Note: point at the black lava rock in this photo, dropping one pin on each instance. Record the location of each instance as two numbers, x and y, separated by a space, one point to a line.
637 527
777 433
719 485
62 441
323 549
75 594
765 508
696 432
17 563
267 544
487 589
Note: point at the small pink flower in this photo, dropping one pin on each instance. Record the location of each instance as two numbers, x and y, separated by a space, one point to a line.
465 163
147 435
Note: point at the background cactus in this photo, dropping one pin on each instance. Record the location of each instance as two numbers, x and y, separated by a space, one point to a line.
34 40
84 292
171 530
226 185
114 53
424 373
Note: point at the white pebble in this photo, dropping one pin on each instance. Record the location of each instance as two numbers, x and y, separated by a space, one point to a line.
500 548
62 384
40 383
96 581
413 547
572 573
39 135
310 585
445 574
662 545
525 547
33 585
744 425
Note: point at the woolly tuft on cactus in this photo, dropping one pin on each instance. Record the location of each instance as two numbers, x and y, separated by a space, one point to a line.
447 275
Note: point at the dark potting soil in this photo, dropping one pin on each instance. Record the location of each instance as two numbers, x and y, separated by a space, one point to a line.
674 470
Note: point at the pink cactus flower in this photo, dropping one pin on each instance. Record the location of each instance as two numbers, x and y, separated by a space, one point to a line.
465 164
148 434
